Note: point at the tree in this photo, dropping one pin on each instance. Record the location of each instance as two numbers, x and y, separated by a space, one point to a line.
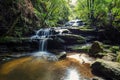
50 12
21 17
99 12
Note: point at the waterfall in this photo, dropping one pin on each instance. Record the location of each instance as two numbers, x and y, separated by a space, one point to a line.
42 36
43 45
45 33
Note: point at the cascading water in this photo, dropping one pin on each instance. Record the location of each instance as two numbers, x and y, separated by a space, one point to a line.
43 35
43 45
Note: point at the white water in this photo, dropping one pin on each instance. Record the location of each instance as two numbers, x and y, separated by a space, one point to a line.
43 45
43 35
45 56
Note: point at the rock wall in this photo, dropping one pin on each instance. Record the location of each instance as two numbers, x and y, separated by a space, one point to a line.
17 17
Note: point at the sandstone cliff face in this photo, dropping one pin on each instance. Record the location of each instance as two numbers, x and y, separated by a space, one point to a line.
16 17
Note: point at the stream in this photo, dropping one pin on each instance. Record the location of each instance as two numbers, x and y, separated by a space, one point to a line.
43 65
37 68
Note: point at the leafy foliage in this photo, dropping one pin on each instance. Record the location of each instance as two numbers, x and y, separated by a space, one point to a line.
100 12
20 17
51 12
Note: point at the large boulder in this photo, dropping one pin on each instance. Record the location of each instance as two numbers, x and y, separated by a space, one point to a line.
62 55
96 49
106 69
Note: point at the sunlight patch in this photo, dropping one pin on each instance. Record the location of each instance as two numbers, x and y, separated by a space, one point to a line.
72 74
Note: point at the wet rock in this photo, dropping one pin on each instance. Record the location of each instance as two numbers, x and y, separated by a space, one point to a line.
110 57
3 49
62 55
70 39
62 31
18 45
54 44
97 78
106 69
96 49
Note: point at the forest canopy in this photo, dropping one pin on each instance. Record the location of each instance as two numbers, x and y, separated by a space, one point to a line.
22 17
99 13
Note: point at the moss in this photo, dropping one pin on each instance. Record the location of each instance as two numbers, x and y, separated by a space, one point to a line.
114 49
12 39
81 48
118 57
17 14
6 39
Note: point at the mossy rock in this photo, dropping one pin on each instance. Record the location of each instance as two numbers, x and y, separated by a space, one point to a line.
118 57
71 39
95 48
106 69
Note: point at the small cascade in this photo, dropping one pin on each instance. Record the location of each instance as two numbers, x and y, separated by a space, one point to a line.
45 33
43 45
42 36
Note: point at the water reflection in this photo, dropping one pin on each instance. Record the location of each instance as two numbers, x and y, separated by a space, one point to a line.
72 74
32 68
